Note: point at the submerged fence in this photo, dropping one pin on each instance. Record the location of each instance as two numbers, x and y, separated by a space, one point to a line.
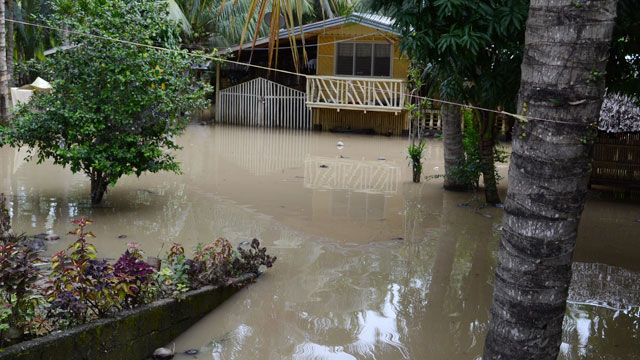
261 102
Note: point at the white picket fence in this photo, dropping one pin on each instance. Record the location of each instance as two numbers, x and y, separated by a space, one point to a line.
261 102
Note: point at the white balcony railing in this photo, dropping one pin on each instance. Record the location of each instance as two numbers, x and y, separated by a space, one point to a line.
351 93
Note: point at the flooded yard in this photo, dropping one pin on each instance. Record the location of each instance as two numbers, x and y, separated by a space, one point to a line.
370 265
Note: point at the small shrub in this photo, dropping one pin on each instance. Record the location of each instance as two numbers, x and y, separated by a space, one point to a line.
252 260
213 262
135 274
470 169
18 277
83 287
415 160
174 278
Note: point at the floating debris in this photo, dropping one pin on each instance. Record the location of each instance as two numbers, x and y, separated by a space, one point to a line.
382 158
463 205
398 239
191 352
36 244
499 206
487 216
122 237
164 353
52 237
324 166
340 144
637 220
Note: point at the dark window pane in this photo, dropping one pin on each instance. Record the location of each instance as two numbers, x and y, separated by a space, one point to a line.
363 60
382 60
344 62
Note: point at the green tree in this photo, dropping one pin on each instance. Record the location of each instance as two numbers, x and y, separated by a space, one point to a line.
473 48
115 109
623 68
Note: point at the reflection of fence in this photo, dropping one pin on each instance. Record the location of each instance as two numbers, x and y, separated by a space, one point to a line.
262 151
261 102
375 177
604 284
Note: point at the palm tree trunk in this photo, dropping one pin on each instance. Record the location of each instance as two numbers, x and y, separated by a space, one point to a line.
488 134
453 149
566 50
4 90
10 43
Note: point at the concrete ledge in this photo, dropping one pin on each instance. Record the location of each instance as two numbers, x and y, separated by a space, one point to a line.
130 335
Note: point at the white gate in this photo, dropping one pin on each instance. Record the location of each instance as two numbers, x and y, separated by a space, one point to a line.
261 102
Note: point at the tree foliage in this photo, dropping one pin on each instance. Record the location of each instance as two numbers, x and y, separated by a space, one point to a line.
472 50
473 47
623 68
115 109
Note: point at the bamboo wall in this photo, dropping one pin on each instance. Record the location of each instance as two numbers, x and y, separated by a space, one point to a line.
616 159
380 122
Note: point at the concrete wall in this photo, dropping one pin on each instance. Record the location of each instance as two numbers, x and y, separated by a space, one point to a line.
130 335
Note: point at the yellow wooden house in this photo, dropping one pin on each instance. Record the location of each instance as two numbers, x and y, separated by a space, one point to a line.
355 79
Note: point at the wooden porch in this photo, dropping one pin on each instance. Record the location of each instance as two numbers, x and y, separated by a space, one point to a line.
353 93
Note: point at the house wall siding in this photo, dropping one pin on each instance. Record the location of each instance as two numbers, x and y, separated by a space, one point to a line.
380 122
326 53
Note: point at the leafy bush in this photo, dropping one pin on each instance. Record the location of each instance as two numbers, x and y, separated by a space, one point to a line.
82 287
252 260
136 275
469 171
174 278
415 159
115 109
214 262
18 288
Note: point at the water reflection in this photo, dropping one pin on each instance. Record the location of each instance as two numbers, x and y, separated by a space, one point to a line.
371 266
421 298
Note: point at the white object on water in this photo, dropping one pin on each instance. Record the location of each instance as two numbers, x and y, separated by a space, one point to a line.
340 144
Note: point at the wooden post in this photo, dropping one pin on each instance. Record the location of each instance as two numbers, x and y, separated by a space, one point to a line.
217 117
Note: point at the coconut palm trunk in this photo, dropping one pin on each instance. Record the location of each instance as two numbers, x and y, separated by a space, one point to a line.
488 135
453 149
10 43
4 90
566 50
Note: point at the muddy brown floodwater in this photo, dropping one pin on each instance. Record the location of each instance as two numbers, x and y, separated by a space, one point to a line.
370 265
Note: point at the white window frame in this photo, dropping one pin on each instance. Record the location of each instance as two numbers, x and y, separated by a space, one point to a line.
353 67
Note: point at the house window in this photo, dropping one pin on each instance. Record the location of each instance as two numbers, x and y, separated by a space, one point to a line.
363 59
